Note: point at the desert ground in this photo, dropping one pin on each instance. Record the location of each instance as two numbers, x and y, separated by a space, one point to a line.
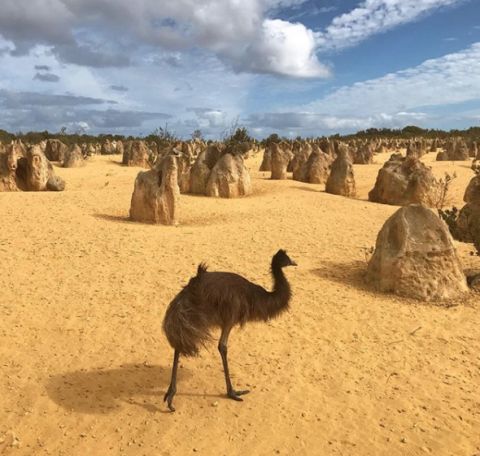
347 371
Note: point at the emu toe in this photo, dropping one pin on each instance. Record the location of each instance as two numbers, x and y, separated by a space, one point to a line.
168 398
235 395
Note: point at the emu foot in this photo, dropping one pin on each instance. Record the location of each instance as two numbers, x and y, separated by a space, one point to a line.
168 398
235 395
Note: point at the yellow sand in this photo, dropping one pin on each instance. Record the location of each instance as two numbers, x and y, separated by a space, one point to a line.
84 363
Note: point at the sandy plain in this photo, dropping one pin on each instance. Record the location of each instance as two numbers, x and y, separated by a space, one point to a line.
347 371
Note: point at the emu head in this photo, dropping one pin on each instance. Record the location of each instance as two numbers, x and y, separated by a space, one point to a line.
282 260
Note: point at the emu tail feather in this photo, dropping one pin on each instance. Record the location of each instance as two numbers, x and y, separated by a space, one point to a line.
185 326
202 268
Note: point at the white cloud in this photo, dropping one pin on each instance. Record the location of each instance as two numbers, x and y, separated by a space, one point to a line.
412 96
314 11
182 54
203 81
243 34
211 118
450 79
17 74
239 33
286 49
375 16
314 123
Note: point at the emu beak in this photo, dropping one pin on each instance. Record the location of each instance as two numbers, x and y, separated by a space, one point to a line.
292 263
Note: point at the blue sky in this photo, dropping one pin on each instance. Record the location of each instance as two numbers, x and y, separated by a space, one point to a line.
291 67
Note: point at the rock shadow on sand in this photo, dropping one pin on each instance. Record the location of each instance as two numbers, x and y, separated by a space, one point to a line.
115 218
350 274
102 391
310 189
186 222
353 275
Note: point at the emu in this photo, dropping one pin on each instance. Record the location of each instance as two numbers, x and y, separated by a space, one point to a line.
221 299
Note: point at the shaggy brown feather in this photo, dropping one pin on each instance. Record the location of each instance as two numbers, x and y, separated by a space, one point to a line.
222 299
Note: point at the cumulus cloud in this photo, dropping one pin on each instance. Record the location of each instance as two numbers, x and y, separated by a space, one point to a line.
183 54
81 126
209 118
239 33
246 34
46 77
29 22
375 16
243 34
286 49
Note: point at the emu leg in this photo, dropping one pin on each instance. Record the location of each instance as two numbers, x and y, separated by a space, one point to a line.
222 348
172 389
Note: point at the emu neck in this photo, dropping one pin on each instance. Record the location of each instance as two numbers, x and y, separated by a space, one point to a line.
277 300
281 286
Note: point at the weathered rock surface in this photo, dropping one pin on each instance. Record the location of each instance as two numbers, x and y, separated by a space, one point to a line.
119 147
184 166
266 164
199 175
280 158
403 181
136 153
363 155
108 148
472 192
73 158
8 169
55 150
317 168
415 257
455 149
301 153
156 194
213 153
468 222
229 178
39 175
341 180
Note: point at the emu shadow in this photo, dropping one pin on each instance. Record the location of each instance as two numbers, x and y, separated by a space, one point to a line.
101 391
350 274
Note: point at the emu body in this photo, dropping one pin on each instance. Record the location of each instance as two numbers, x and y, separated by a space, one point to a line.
223 300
